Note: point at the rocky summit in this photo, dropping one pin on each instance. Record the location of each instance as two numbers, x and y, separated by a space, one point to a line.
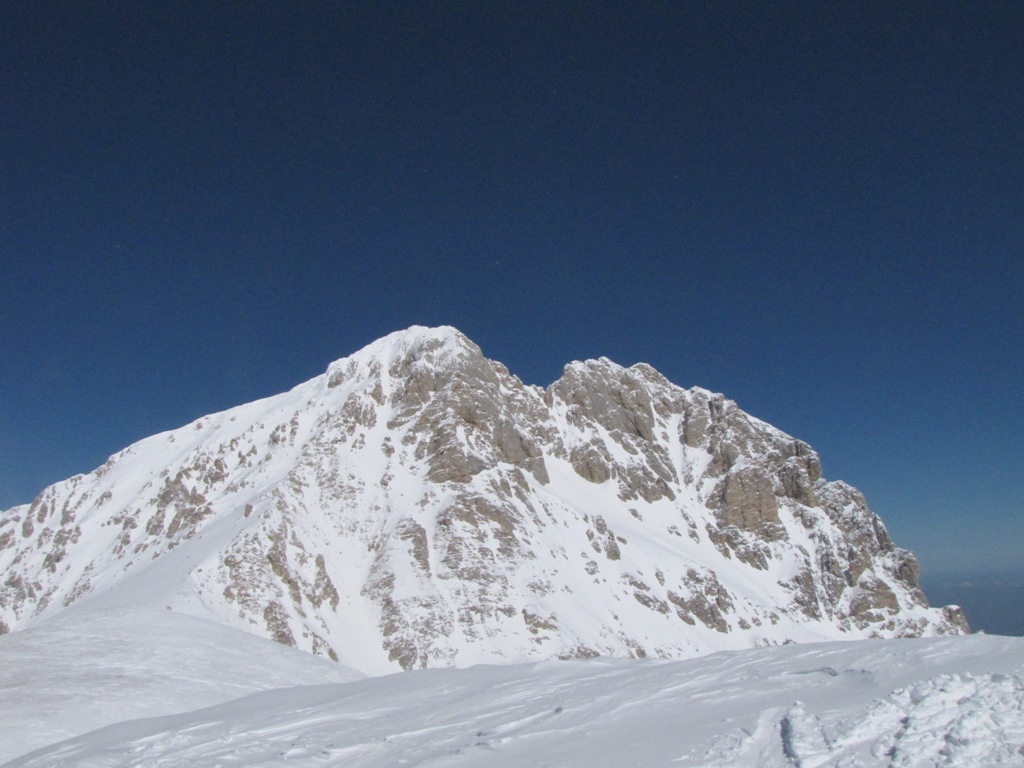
419 506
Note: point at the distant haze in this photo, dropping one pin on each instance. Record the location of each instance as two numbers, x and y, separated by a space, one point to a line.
993 602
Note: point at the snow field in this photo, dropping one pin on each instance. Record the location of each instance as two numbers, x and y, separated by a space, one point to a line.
955 702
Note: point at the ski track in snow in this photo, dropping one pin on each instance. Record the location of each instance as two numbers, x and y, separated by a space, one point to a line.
955 702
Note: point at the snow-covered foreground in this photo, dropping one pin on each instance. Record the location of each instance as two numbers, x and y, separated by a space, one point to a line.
955 701
86 669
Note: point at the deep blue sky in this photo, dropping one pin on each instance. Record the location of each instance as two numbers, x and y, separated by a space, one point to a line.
817 209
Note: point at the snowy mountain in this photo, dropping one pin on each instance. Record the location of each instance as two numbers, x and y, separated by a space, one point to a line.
418 506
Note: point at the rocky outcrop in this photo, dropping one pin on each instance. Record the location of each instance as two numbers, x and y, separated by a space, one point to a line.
418 505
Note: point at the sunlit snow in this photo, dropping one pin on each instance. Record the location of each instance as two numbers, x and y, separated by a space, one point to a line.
955 701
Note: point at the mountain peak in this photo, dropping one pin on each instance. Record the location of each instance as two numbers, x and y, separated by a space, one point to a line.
437 347
419 339
419 506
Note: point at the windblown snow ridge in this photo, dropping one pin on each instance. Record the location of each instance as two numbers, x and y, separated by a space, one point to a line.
955 702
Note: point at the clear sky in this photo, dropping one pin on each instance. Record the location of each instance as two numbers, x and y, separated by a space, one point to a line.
817 209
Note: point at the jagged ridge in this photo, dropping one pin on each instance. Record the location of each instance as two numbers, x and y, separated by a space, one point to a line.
417 505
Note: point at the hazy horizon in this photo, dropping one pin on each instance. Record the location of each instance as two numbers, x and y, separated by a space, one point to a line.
993 601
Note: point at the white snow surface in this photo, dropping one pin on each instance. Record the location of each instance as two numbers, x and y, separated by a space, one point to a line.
955 701
88 668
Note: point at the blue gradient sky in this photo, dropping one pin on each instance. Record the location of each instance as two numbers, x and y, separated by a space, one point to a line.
817 209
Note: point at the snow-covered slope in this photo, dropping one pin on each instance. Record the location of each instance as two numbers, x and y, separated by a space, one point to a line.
418 506
85 669
955 702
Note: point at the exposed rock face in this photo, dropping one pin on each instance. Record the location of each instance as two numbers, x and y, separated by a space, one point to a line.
417 505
